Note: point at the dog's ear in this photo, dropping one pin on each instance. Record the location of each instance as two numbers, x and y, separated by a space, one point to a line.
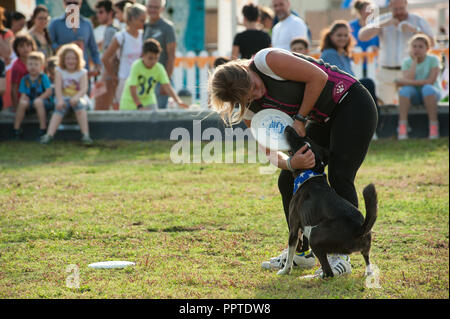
322 154
293 139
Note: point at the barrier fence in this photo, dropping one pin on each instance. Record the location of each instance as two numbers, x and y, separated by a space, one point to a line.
191 72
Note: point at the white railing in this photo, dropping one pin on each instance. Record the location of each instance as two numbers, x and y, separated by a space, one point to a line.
191 71
191 74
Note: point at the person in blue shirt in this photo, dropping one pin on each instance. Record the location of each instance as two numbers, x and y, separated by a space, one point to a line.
35 91
363 10
83 35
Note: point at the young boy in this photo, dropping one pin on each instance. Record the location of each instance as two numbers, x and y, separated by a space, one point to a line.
35 91
22 46
146 72
300 45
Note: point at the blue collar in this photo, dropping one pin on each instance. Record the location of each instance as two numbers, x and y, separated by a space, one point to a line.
303 177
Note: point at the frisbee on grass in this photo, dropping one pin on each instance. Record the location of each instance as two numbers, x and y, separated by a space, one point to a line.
111 264
267 127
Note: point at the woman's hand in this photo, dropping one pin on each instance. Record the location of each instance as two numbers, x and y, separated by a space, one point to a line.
299 127
303 161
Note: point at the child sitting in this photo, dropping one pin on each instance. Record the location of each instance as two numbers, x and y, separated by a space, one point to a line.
419 85
146 72
35 90
71 86
300 45
22 46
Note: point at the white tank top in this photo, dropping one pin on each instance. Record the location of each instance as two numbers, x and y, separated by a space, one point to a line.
130 50
71 81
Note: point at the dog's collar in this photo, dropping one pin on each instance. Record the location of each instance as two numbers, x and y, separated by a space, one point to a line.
303 177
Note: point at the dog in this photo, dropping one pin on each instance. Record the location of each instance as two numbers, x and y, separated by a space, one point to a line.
332 224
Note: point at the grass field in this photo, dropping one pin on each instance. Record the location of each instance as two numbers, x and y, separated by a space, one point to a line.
202 230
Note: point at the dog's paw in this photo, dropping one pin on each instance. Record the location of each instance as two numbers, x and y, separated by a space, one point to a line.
284 271
369 271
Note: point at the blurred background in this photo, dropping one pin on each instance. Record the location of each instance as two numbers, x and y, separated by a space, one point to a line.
211 24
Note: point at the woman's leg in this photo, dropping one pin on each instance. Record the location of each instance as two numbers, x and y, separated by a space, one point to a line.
369 84
352 128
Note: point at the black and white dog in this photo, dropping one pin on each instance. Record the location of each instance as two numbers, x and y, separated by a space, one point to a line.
332 224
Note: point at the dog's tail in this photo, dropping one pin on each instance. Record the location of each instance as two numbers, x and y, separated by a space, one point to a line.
371 200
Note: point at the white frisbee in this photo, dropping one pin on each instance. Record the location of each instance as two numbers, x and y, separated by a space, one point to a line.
268 127
111 264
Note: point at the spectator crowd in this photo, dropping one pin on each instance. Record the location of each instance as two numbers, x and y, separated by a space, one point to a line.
45 66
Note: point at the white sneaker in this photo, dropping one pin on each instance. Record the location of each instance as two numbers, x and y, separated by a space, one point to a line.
340 265
303 260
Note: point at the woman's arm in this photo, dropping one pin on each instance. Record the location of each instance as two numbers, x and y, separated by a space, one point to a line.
2 86
170 64
6 48
279 159
293 68
106 58
235 52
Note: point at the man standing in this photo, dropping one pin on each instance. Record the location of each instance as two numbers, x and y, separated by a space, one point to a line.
289 27
82 34
162 30
394 29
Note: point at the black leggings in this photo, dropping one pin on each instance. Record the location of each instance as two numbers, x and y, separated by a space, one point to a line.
347 136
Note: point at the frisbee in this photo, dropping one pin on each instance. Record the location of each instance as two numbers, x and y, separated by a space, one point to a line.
267 127
111 264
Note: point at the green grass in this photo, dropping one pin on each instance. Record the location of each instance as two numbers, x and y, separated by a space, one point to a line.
202 230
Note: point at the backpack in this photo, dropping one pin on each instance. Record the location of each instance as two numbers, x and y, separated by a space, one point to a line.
33 93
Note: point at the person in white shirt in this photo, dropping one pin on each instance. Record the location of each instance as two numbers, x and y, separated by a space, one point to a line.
394 29
127 44
289 27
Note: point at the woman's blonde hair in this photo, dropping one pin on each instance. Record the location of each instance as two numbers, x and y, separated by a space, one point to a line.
63 50
230 84
133 11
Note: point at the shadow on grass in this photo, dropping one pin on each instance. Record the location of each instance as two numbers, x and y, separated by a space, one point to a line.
26 154
411 149
293 286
